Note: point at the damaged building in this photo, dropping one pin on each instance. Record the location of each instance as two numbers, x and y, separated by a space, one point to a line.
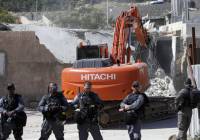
32 56
27 63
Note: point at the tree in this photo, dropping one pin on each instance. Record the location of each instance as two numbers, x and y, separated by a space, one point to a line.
6 17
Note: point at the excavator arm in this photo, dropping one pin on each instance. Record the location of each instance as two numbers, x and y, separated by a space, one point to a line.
127 22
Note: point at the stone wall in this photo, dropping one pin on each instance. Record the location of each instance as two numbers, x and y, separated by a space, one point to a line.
28 64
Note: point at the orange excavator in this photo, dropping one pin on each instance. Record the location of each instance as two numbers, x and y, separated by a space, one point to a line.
111 77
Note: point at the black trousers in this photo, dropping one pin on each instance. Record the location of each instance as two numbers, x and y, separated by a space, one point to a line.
86 127
48 126
7 128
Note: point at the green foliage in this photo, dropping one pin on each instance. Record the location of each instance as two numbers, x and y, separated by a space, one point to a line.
17 5
50 5
84 17
6 17
42 5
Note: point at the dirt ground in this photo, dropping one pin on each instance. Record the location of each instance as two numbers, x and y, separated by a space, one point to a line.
158 130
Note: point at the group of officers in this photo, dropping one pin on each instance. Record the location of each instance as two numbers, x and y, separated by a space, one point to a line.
53 106
87 105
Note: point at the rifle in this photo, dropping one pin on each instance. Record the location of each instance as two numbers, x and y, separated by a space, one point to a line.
54 112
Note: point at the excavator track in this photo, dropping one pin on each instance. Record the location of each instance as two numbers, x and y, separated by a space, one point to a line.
158 108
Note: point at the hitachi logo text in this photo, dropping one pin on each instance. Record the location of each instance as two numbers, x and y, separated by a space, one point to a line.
88 77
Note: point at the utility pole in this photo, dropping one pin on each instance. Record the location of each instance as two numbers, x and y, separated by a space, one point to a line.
107 12
36 9
187 9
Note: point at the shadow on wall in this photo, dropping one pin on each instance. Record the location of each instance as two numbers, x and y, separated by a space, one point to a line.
164 54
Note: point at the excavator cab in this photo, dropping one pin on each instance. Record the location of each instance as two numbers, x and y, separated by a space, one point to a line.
91 51
92 56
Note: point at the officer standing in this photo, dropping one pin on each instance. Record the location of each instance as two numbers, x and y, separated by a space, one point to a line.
184 106
133 106
88 104
13 117
52 106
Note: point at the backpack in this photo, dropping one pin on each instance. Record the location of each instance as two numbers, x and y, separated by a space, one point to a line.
194 98
146 99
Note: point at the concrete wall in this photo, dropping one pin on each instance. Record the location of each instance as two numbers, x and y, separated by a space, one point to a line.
28 64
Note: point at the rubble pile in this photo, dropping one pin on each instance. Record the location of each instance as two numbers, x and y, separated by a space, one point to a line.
161 85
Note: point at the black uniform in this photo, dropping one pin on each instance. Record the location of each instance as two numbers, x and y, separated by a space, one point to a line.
136 102
184 106
53 108
14 122
88 105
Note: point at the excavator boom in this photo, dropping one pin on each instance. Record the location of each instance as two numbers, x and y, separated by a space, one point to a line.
127 21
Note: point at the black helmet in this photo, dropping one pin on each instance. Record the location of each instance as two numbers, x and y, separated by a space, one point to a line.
87 84
188 82
10 86
54 87
136 84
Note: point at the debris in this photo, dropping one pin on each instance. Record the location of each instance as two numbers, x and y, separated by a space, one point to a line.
161 85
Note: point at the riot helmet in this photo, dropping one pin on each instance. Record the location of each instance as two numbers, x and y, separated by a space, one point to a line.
87 86
135 86
52 88
188 83
11 88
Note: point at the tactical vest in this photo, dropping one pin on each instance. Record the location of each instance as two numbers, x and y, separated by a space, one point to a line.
11 103
187 98
87 102
132 98
53 115
54 101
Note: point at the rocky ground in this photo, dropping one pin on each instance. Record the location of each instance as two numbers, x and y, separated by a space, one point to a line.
159 130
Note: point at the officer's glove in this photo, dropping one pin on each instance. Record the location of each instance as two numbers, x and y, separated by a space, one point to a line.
78 109
126 107
92 106
4 112
121 110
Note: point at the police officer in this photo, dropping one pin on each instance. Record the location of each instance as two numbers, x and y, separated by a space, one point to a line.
133 106
183 103
52 106
88 104
11 109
